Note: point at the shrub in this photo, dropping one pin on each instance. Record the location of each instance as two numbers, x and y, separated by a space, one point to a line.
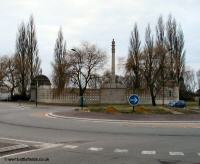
111 110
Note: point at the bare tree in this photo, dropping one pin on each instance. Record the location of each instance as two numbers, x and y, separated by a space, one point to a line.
32 47
21 59
161 54
61 63
134 57
175 45
106 77
85 61
179 55
171 32
2 71
95 81
198 78
26 56
189 80
152 67
10 76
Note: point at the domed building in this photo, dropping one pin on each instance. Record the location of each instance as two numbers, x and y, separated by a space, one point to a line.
40 81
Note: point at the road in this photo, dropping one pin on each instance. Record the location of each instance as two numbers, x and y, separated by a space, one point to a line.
88 142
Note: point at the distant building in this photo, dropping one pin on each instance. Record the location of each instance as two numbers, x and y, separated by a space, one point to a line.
40 81
4 93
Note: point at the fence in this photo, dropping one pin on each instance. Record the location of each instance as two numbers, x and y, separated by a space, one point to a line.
100 96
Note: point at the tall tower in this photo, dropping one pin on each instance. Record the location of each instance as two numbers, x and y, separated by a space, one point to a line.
113 62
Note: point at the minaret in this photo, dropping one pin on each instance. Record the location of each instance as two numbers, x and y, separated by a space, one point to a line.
113 62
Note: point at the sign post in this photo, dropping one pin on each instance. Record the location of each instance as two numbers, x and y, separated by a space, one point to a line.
133 100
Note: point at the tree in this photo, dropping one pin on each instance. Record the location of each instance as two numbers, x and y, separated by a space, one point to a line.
32 51
85 61
198 78
61 64
189 80
2 71
134 58
171 32
175 45
10 76
161 54
21 59
106 77
151 68
95 81
26 56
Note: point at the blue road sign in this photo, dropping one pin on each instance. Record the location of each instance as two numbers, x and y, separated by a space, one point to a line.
133 100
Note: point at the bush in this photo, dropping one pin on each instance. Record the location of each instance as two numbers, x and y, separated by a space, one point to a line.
111 110
18 97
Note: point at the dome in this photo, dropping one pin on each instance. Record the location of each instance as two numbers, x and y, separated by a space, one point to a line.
42 80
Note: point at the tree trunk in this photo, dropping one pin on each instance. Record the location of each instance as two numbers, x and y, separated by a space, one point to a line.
153 98
81 91
11 93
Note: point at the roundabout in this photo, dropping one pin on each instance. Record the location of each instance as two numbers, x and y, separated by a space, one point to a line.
87 141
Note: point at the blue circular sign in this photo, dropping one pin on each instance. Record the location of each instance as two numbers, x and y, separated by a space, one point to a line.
133 100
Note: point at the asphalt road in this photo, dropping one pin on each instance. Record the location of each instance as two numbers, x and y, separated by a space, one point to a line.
70 141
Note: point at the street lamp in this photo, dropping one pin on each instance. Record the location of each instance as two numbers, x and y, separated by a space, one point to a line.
80 67
36 94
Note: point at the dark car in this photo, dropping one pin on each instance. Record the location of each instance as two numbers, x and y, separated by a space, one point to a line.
177 104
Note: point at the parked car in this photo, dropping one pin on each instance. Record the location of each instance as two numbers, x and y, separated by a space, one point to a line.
171 103
177 104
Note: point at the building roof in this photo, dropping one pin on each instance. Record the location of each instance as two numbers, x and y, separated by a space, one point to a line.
41 79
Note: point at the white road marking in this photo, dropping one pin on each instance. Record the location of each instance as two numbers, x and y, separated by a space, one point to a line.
198 154
52 115
70 146
145 152
121 151
18 140
43 146
176 153
95 149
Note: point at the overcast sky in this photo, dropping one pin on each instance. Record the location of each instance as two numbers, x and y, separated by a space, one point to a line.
96 21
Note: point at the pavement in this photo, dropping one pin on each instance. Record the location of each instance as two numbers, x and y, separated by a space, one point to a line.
74 141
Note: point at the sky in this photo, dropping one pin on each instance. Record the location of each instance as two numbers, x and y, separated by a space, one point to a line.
98 22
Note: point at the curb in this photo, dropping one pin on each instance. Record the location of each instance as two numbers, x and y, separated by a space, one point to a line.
119 121
11 148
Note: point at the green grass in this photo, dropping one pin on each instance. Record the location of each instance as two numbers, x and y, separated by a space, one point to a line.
191 103
185 111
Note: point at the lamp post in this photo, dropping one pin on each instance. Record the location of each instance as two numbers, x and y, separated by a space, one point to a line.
80 67
36 94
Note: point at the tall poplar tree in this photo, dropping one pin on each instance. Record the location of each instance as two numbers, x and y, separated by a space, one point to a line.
60 65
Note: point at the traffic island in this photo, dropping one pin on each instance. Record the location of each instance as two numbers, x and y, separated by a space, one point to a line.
125 117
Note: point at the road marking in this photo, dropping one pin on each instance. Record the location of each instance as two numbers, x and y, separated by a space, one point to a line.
95 149
145 152
121 151
14 147
154 124
70 146
176 153
44 147
198 154
18 140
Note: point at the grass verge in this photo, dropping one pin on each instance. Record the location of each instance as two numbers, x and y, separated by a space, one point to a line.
140 109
